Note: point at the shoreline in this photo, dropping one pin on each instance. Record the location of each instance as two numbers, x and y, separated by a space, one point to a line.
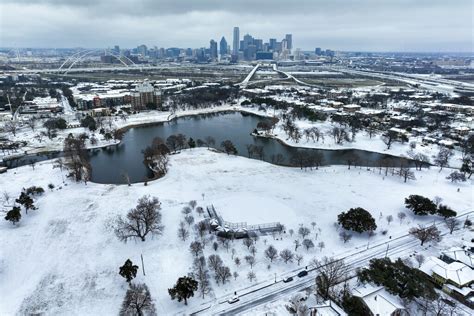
217 110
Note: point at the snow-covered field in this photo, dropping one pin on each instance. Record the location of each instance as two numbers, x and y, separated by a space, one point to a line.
63 258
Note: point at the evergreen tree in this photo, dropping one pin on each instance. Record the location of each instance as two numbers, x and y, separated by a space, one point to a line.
446 211
183 289
14 215
420 205
26 201
398 279
357 219
128 270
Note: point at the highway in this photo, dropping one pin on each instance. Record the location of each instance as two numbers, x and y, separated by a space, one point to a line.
270 291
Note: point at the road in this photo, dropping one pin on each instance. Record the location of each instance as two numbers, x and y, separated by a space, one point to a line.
267 292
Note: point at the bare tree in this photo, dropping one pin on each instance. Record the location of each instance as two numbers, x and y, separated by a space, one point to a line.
297 244
389 219
299 258
195 247
138 301
186 210
419 259
271 253
215 261
145 218
401 216
237 261
303 231
331 273
308 243
193 204
247 242
442 158
321 245
210 141
251 276
426 234
222 274
183 233
200 210
406 174
287 255
250 260
201 274
11 127
345 236
235 275
452 224
253 250
31 123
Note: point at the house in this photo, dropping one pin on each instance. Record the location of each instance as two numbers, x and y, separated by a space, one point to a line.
328 308
458 254
455 278
379 301
351 108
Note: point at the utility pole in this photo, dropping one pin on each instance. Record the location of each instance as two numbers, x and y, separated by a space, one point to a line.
386 251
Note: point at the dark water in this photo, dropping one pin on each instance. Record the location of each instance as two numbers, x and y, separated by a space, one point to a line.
108 164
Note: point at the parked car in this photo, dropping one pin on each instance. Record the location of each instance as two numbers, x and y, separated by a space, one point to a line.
302 273
288 279
233 299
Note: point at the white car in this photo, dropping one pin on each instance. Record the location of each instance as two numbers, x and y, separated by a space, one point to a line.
233 299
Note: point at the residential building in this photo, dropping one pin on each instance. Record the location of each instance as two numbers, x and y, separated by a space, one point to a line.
145 96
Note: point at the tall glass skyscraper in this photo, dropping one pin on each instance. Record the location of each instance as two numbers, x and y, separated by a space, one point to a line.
236 41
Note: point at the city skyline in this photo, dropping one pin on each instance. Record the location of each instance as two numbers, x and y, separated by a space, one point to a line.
427 26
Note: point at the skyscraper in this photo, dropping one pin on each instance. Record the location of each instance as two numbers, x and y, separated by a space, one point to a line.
236 41
213 49
223 47
289 41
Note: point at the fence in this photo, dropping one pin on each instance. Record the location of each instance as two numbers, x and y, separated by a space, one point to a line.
242 226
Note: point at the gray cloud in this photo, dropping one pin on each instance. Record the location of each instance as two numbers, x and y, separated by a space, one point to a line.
409 25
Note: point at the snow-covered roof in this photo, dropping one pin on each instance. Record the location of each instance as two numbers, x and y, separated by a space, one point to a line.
378 300
461 255
456 272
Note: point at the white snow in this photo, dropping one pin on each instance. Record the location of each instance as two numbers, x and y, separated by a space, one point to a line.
63 258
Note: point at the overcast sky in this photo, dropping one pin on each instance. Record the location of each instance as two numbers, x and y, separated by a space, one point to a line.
363 25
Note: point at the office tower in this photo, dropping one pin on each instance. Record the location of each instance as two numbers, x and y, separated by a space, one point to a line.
117 49
236 41
317 51
142 50
213 50
223 47
272 44
289 41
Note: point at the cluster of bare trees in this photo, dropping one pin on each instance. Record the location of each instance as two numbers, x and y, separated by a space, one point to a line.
307 159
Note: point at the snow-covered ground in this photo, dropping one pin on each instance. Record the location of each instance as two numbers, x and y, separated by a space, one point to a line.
63 258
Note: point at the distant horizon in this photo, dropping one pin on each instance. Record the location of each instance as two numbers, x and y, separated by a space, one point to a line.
340 25
467 53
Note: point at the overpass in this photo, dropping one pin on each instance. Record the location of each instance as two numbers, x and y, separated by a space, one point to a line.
244 83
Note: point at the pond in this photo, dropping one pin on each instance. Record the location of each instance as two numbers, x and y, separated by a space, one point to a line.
110 163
